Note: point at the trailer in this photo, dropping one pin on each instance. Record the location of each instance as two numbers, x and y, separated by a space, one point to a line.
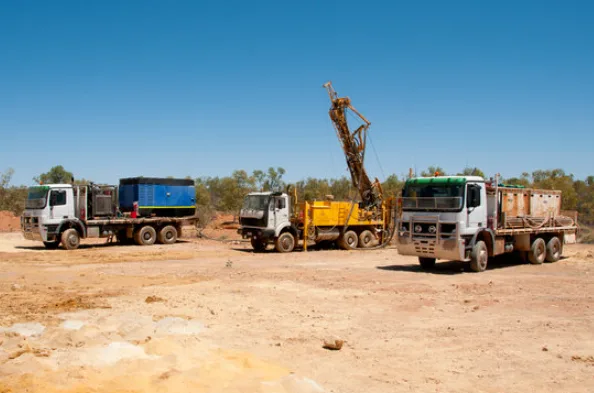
466 218
64 213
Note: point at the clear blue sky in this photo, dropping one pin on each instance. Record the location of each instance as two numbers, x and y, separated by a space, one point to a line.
114 89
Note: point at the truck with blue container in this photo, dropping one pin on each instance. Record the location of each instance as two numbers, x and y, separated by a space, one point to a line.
140 210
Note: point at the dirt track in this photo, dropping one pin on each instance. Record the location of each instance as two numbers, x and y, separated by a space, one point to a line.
515 327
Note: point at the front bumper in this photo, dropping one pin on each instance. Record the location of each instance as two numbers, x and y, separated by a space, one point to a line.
32 230
449 246
256 233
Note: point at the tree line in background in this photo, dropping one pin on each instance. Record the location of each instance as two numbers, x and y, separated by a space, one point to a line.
226 193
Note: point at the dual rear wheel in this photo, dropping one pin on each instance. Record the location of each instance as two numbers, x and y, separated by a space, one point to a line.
147 235
542 251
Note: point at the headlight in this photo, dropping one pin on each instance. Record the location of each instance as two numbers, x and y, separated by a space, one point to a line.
418 228
432 229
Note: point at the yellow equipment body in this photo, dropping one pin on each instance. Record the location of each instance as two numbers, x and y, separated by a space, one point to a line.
325 220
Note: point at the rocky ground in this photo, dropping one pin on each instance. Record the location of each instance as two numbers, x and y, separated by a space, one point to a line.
208 316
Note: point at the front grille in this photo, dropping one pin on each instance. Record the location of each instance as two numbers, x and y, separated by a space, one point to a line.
425 247
252 222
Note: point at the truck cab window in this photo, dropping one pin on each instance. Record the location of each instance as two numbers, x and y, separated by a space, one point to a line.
473 196
58 198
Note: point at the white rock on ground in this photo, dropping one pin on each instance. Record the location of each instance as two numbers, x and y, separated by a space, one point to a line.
25 329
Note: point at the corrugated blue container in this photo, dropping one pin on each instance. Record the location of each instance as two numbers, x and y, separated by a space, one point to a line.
160 197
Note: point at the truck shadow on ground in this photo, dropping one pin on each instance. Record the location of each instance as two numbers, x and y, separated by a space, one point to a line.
91 246
457 267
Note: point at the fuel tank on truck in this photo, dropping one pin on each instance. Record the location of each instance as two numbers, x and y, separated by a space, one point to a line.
158 197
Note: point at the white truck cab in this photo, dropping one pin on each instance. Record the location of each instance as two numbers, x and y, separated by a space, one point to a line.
438 213
263 216
47 209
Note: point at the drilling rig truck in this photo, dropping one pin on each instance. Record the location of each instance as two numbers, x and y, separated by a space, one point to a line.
465 218
280 219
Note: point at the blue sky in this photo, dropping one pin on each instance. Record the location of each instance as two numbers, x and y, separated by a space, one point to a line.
114 89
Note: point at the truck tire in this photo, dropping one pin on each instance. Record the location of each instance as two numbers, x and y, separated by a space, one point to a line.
285 242
52 245
145 236
258 245
70 239
479 257
168 235
427 263
348 240
366 239
553 249
538 251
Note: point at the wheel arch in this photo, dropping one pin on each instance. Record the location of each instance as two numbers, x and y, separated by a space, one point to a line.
287 228
486 236
76 224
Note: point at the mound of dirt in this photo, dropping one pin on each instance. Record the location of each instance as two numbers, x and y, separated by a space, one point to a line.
9 222
224 221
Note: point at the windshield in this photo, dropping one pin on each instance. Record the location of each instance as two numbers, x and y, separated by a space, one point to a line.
432 197
37 197
256 202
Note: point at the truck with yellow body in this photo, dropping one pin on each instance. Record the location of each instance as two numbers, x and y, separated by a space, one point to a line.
276 217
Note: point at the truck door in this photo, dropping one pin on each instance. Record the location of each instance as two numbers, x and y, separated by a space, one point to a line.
280 210
59 204
476 207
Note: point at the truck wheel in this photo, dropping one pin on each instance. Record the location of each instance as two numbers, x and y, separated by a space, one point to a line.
70 239
285 242
348 241
553 249
366 239
168 235
52 245
145 236
427 263
479 257
258 245
538 252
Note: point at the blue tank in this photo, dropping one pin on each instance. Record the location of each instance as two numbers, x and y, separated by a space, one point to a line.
160 197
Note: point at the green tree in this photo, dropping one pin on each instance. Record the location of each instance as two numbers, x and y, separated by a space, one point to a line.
233 189
202 192
341 188
432 170
469 171
557 179
6 177
392 186
56 174
270 180
12 198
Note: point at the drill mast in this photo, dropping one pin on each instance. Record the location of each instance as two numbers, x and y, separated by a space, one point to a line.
353 145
